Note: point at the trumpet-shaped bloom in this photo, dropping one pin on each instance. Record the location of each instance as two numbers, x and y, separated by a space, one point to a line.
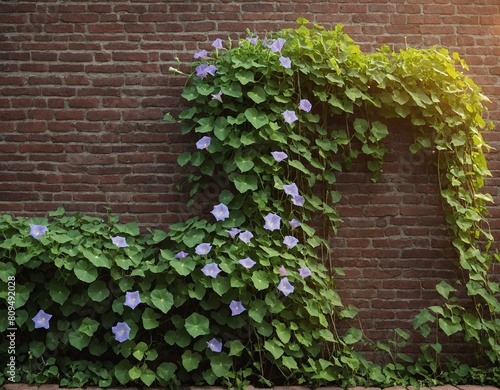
285 286
285 62
181 255
298 200
236 308
304 272
204 142
200 54
217 96
217 43
247 262
305 105
233 232
119 242
41 320
214 345
279 156
294 223
273 222
245 236
282 271
211 270
291 189
290 241
220 212
253 40
203 69
121 331
203 249
277 45
37 231
289 116
132 299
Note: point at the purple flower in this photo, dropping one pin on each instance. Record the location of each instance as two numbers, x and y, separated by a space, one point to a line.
285 287
200 54
282 271
245 236
298 200
121 331
285 62
203 69
247 262
290 116
181 255
279 156
277 45
218 96
214 345
132 299
211 269
304 272
305 105
290 241
204 142
217 44
294 223
236 308
220 212
203 249
253 40
273 222
37 231
291 189
41 320
119 242
233 232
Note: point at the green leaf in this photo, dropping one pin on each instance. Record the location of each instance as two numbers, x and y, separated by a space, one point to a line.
197 325
257 94
275 347
79 340
256 118
166 371
183 266
379 130
260 280
352 336
290 363
148 376
245 76
183 158
449 327
162 299
85 272
190 93
88 326
232 89
190 360
257 310
98 291
444 289
221 365
244 183
236 348
150 319
58 292
244 163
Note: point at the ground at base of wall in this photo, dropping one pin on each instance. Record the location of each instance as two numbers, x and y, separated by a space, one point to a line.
20 386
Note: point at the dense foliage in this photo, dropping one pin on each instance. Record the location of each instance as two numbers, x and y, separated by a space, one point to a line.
241 296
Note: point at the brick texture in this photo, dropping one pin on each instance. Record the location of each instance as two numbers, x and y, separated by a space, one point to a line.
83 86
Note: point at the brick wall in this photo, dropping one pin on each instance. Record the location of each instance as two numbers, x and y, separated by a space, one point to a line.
83 87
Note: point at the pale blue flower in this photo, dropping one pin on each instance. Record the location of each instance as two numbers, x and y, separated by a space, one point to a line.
214 345
220 212
247 262
217 43
291 189
294 223
211 270
245 236
290 241
217 96
121 331
204 142
273 222
277 45
233 232
285 287
236 308
119 242
37 231
132 299
282 271
253 40
181 255
290 116
279 156
203 69
304 272
203 249
285 62
305 105
298 200
201 54
41 320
